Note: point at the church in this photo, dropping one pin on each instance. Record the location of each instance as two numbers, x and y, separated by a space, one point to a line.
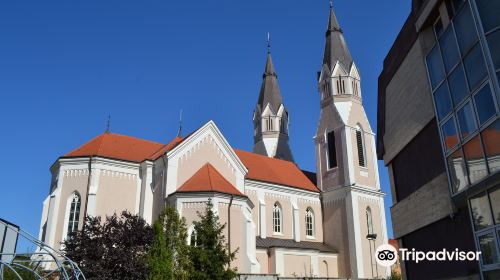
282 219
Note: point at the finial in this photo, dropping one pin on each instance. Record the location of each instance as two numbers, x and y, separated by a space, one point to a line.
179 132
108 125
268 43
331 4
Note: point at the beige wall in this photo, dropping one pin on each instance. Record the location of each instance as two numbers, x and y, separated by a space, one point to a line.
287 219
73 181
327 267
117 192
204 151
297 265
318 223
336 233
365 176
263 260
363 204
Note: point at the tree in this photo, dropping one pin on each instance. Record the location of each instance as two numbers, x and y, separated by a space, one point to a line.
169 253
116 249
210 258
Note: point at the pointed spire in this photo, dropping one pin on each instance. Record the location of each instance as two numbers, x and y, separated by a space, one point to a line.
336 47
269 91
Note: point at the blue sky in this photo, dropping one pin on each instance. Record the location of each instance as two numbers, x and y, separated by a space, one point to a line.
66 65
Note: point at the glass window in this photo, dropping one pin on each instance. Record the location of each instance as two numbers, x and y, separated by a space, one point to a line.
466 120
475 67
481 214
495 204
465 29
361 148
458 173
449 49
494 46
435 67
309 222
485 106
74 213
450 134
458 86
488 247
488 10
332 151
491 141
277 218
438 27
474 158
442 100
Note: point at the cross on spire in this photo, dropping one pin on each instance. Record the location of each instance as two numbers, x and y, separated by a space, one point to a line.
268 43
179 132
108 124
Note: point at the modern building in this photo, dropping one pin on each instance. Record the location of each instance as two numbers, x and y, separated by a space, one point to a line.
439 135
284 220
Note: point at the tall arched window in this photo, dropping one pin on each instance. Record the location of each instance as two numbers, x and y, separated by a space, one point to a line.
193 238
74 213
369 221
277 218
361 146
309 222
331 150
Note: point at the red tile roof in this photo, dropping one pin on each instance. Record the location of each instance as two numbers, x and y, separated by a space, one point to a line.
208 179
277 171
116 146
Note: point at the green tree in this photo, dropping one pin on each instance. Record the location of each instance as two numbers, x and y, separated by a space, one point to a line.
169 253
210 258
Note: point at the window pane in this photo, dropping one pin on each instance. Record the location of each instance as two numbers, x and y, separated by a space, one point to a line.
458 174
474 158
488 10
475 67
449 49
491 141
442 100
495 204
450 134
494 45
465 29
435 67
466 120
481 213
485 106
489 253
458 86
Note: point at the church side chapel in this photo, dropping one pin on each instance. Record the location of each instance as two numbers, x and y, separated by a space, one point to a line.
284 220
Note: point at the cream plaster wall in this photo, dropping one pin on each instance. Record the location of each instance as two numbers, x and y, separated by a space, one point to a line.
205 151
363 204
287 217
327 267
263 260
336 232
73 180
117 192
318 222
297 265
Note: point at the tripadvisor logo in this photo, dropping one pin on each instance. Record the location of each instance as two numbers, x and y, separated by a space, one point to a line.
387 255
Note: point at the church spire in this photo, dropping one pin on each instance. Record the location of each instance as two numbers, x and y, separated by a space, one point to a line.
269 91
271 125
336 47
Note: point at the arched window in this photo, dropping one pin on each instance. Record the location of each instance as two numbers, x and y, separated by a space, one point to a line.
309 222
331 150
369 221
193 237
361 147
74 213
277 218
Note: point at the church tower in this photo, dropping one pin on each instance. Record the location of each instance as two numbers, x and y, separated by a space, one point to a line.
270 118
346 163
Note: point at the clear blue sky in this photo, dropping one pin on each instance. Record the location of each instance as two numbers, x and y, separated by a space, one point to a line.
66 65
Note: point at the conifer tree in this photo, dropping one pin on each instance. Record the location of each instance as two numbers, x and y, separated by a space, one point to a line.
210 257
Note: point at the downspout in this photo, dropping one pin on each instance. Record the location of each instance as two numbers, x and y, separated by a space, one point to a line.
89 179
229 224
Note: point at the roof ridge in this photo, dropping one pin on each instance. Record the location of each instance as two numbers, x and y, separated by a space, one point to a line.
208 165
134 137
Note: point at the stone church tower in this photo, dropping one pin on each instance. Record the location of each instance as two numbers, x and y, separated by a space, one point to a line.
347 173
270 117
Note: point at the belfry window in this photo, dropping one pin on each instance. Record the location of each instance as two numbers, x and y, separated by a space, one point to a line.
277 227
331 151
309 223
369 220
361 147
74 213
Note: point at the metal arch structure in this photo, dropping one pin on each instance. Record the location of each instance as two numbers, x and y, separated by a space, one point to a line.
44 263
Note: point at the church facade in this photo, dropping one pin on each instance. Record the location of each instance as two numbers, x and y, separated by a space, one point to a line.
282 219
